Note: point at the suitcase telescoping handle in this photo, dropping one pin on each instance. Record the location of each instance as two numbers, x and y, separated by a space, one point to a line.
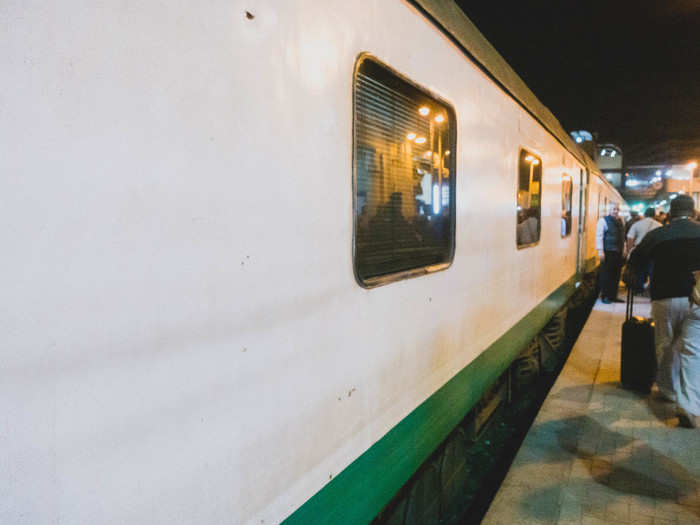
630 304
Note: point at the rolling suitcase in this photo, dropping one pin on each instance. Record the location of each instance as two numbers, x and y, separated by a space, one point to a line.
638 356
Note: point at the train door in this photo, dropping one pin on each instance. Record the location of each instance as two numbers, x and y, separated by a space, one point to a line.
582 213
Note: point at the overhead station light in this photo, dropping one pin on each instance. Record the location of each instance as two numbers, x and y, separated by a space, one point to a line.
581 136
608 152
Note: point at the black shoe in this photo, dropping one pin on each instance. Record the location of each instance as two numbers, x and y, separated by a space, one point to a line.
659 396
616 300
605 300
686 420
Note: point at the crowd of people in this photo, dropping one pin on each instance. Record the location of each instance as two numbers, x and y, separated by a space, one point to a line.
666 250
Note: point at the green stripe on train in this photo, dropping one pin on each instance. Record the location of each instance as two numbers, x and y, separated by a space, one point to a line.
360 491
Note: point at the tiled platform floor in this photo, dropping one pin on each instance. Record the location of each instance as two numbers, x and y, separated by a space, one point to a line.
599 454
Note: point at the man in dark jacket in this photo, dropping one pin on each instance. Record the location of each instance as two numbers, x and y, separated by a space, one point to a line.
674 252
610 243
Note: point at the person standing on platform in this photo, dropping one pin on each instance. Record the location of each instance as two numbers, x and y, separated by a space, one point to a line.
674 252
609 241
635 235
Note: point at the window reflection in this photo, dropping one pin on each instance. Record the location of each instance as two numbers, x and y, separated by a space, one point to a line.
529 195
404 175
567 188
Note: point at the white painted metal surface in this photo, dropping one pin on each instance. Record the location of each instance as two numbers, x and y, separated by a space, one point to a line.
182 338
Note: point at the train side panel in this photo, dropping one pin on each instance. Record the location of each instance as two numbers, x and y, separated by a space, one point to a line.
183 339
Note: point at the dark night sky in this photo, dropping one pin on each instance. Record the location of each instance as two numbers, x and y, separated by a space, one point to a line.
627 70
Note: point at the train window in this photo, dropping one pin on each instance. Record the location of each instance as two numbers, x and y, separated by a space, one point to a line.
567 191
404 180
529 199
583 200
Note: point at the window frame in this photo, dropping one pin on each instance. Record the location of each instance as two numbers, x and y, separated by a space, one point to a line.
381 280
517 188
605 206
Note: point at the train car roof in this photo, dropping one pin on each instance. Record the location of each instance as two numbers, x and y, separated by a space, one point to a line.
451 20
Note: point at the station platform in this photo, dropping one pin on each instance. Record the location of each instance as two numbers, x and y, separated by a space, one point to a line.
598 454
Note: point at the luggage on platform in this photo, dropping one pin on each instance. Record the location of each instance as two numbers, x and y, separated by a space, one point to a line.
638 366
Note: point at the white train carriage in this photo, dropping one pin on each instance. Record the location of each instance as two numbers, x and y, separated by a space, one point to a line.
194 329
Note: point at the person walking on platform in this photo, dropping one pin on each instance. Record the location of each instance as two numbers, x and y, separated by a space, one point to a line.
634 236
674 252
634 218
609 241
689 362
